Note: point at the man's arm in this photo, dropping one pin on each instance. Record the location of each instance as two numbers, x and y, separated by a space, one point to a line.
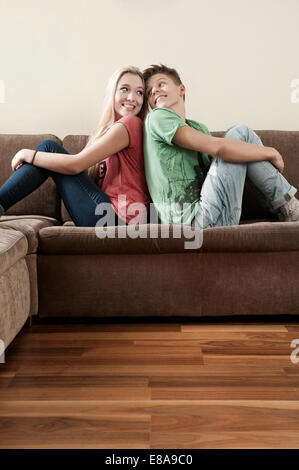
235 151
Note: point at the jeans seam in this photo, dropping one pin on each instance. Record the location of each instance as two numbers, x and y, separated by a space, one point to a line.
88 192
280 202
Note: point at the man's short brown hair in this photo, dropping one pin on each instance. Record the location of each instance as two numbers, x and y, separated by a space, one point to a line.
154 69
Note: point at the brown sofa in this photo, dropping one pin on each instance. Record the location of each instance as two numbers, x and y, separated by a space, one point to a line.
51 268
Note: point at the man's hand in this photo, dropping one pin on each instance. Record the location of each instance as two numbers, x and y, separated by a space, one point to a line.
22 156
277 161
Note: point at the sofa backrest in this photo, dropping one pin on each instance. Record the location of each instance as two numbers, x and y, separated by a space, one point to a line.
46 201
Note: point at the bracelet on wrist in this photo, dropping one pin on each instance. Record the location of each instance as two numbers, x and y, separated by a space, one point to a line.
33 157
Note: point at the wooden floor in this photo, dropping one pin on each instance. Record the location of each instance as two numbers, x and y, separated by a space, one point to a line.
151 386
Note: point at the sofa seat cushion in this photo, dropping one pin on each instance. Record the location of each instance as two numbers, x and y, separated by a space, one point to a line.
252 237
160 239
29 225
142 239
14 284
13 247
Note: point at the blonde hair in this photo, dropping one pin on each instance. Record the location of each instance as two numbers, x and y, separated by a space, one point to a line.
108 114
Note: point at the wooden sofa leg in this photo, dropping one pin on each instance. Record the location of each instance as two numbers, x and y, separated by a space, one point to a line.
29 322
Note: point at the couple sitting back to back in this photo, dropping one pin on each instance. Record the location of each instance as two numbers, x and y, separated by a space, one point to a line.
191 176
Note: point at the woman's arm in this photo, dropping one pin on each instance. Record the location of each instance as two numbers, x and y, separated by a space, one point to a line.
116 139
60 162
231 150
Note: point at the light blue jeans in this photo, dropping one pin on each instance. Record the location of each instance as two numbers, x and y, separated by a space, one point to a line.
222 191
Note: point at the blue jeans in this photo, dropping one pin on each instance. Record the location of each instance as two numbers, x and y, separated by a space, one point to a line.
78 192
222 191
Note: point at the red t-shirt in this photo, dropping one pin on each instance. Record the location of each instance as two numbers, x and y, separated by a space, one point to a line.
122 175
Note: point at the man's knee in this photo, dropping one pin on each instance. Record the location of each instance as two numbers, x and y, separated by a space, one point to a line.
233 169
240 132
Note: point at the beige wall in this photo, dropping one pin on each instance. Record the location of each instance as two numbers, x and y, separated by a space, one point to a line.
237 59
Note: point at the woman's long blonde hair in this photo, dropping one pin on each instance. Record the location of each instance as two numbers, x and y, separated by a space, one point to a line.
108 114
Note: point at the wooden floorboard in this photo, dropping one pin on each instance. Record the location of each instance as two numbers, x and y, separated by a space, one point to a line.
193 385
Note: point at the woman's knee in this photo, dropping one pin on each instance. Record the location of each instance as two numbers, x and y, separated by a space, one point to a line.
48 142
49 145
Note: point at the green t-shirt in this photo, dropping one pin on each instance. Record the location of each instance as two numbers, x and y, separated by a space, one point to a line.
174 174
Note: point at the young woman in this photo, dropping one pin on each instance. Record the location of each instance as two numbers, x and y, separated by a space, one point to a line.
115 181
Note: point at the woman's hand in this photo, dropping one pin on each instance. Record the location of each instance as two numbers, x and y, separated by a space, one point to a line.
22 156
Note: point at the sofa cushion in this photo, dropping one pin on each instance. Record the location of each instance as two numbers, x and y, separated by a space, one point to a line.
14 284
13 247
74 143
252 237
43 201
161 239
152 238
29 225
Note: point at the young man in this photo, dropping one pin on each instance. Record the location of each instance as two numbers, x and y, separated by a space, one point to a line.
196 178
